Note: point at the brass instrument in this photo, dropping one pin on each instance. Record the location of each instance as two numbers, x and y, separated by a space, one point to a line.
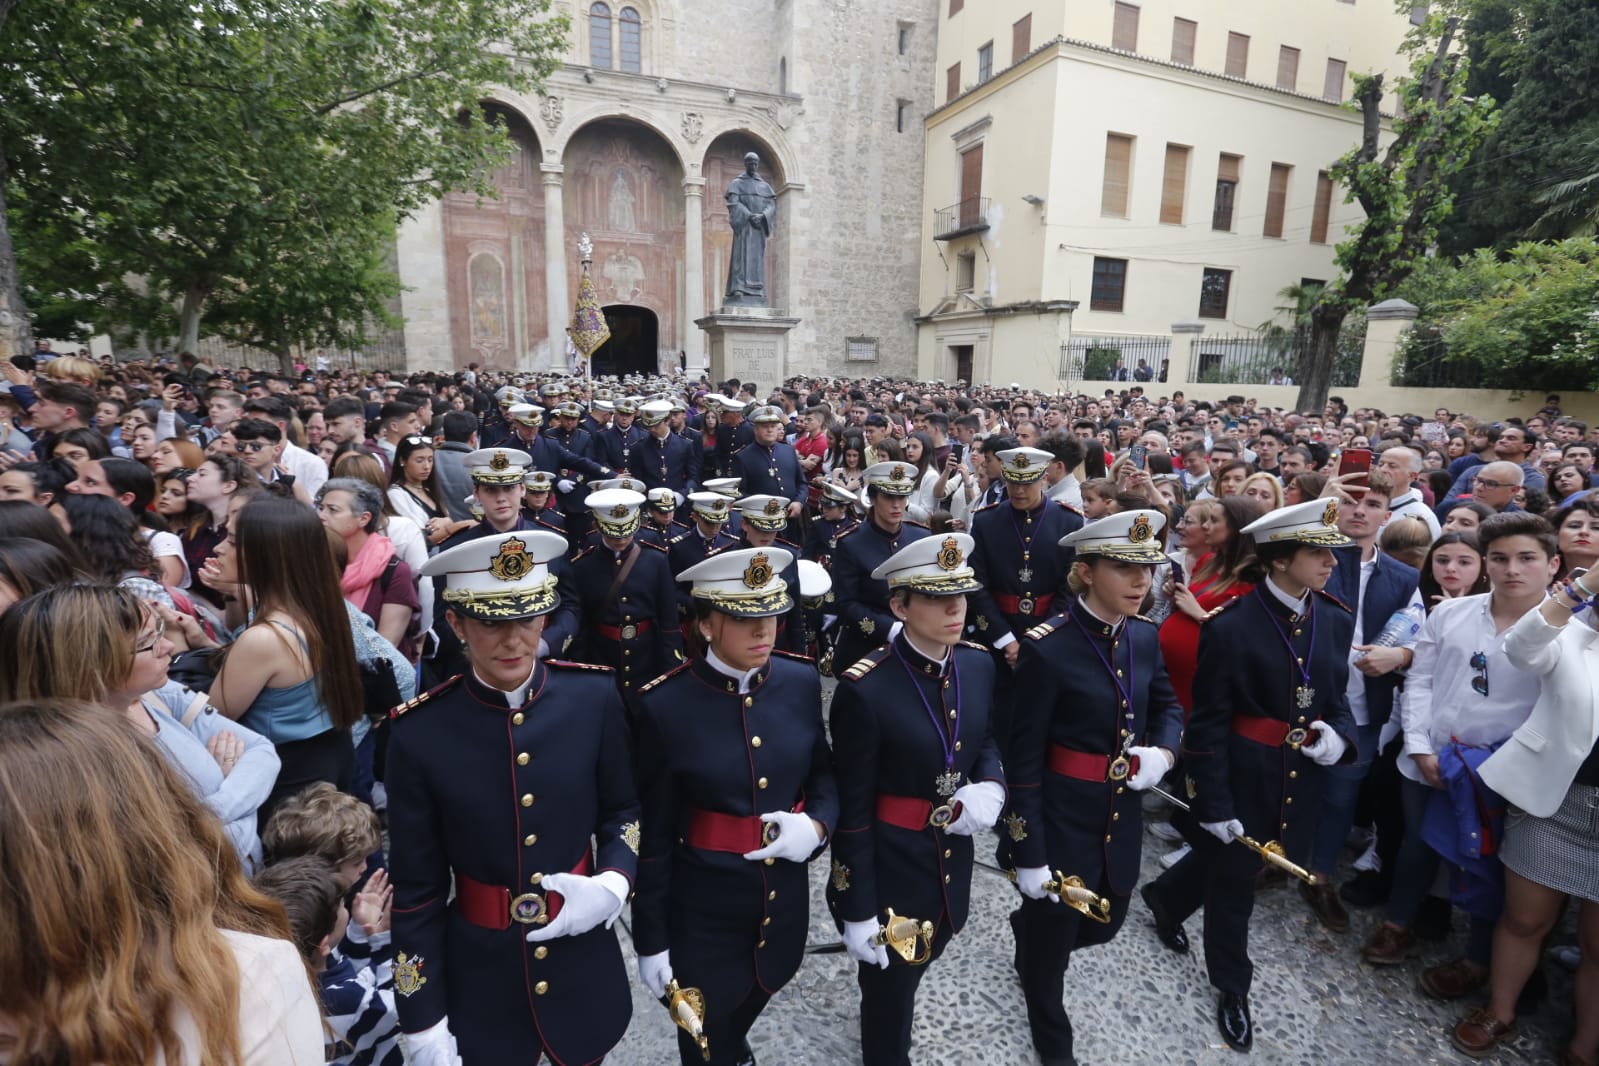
908 938
1076 895
687 1007
1271 851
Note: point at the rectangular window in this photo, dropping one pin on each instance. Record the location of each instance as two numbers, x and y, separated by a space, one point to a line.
1287 68
1276 199
1237 54
955 7
1110 285
631 31
965 271
1174 184
1221 212
905 37
1183 33
1124 34
1021 37
985 62
952 83
902 113
1118 174
971 185
1322 215
860 349
1213 293
1334 88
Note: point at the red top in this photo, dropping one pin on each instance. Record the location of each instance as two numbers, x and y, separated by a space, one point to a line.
808 446
1179 636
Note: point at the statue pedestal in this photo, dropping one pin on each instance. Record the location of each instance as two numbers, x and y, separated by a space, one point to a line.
748 343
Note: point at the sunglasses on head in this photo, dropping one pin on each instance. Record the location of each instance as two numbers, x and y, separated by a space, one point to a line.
1479 684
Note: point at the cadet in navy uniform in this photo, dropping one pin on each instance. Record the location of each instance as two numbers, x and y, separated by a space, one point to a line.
1269 711
838 518
629 601
864 619
660 525
540 485
770 466
708 534
499 778
546 453
765 518
496 427
616 445
565 431
1020 564
733 432
737 791
661 458
1097 723
729 487
918 774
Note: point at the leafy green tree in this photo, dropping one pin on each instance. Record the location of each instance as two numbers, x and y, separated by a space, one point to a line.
245 158
15 329
1402 188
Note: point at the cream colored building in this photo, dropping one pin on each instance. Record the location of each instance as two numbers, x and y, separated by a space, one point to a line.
634 139
1108 169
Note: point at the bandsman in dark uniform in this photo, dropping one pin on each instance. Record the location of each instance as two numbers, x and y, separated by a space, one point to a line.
708 533
615 447
546 453
627 483
600 413
770 466
661 458
733 431
738 795
864 618
660 523
918 774
1097 723
1270 711
838 518
729 487
765 518
496 427
537 504
512 783
628 597
564 429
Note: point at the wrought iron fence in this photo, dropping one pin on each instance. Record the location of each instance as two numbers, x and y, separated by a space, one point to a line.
1130 358
968 216
1264 358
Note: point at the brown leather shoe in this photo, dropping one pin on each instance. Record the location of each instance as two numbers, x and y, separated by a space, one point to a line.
1388 946
1325 905
1479 1033
1454 980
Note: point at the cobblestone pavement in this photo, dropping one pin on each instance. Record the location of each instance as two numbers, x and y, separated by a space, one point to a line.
1132 1002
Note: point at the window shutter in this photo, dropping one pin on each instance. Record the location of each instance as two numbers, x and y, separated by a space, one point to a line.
1021 38
1334 89
1237 54
1174 184
1118 166
1276 199
1322 215
1183 32
1124 35
1287 68
952 83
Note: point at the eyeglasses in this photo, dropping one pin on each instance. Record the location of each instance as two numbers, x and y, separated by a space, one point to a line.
1490 483
414 441
1479 684
154 641
254 445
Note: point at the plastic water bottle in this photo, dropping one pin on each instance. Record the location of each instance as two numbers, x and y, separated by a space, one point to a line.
1402 626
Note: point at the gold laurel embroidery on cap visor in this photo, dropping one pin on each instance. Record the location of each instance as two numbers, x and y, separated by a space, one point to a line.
482 476
508 605
953 584
759 572
500 461
1141 530
766 603
512 562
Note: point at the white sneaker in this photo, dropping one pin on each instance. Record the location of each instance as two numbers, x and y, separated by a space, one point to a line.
1172 858
1369 860
1165 831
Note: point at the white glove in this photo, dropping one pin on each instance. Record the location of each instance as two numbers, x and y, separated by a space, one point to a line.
1152 766
565 485
1327 747
433 1046
1224 831
981 802
894 631
585 903
1030 879
656 972
858 937
796 838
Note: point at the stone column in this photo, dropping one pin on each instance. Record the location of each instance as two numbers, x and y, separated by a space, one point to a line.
1184 335
558 307
693 339
1386 325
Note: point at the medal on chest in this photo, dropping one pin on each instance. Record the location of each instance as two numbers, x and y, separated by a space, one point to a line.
947 782
1304 692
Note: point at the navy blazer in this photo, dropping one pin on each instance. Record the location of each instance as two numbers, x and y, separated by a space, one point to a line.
1390 588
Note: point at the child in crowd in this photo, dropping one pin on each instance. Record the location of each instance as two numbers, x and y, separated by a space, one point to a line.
343 832
357 998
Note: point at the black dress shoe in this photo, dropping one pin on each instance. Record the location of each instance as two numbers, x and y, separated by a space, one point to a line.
1169 931
1232 1018
746 1057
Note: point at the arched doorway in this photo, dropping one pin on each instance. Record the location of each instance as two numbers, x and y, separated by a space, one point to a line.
635 342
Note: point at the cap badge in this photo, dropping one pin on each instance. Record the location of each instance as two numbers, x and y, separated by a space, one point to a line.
1329 517
512 562
897 474
718 505
500 461
773 507
949 555
1021 462
619 511
1141 530
758 573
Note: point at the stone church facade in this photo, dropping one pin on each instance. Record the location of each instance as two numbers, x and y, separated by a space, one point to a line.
634 140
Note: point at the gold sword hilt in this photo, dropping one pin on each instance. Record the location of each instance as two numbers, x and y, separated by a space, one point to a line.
908 938
1078 896
687 1007
1273 853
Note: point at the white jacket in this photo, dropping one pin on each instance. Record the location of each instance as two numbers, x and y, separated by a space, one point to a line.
1535 768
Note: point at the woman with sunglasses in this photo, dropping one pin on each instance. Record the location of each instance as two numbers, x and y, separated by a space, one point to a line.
416 493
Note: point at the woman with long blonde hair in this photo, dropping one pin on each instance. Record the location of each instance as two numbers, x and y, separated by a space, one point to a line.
96 965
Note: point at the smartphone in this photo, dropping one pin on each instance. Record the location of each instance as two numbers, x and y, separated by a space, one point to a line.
1355 461
1138 454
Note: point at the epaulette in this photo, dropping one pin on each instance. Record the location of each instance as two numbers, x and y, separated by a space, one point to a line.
567 664
913 522
651 544
678 669
974 646
679 538
1072 509
1214 611
1144 618
1047 626
852 529
417 701
796 656
1334 599
790 544
988 506
865 663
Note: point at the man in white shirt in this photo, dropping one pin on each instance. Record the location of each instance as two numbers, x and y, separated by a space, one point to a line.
1060 484
1462 690
1402 463
309 471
